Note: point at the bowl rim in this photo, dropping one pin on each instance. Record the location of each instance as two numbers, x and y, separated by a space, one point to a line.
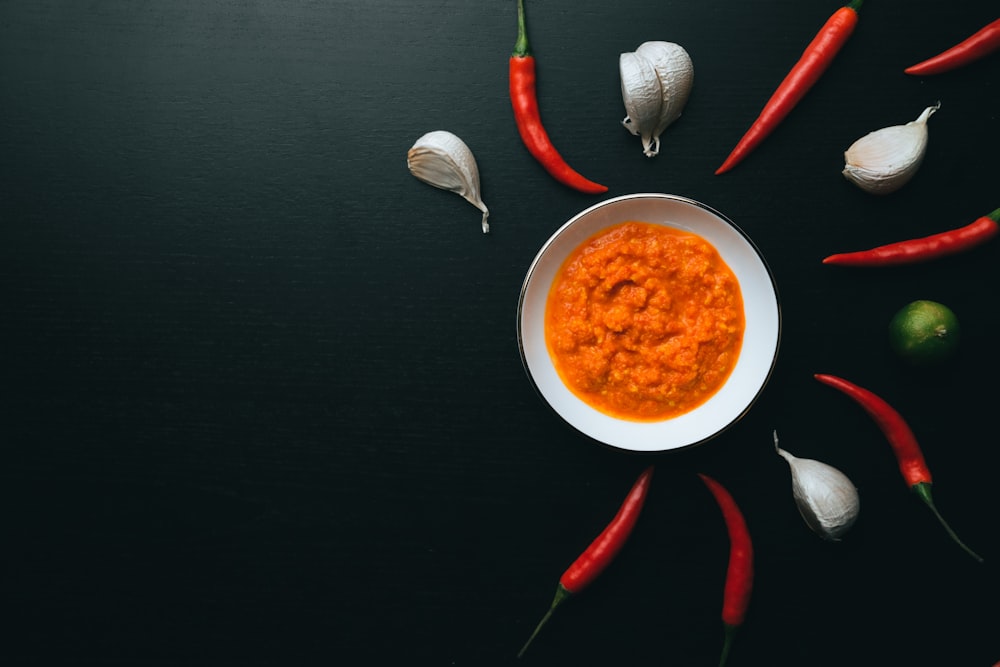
701 439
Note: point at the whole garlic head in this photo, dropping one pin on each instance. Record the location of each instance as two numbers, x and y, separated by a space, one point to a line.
826 497
656 83
885 160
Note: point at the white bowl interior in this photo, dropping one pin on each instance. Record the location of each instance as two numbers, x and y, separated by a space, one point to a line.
760 344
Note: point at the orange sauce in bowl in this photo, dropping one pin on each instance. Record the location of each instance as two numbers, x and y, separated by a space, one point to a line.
644 322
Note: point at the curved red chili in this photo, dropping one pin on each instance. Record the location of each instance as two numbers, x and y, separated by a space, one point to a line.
911 251
524 99
903 442
596 557
739 573
804 74
980 44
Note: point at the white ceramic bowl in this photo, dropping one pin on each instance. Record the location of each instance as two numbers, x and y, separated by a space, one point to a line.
760 343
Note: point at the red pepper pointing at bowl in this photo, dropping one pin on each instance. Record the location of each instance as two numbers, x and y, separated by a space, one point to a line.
739 572
903 442
804 74
596 558
524 99
926 248
978 45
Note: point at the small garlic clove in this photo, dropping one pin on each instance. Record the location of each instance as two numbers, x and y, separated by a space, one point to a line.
442 159
885 160
643 99
676 74
826 498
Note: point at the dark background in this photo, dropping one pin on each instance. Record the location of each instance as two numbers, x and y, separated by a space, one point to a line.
262 398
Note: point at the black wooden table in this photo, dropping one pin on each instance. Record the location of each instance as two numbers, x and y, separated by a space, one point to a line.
262 397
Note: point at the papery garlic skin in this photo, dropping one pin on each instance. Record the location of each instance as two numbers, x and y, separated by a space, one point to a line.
443 160
676 74
885 160
642 98
656 82
826 498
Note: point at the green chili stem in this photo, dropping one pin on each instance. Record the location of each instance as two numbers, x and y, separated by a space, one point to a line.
522 48
923 489
855 4
727 643
561 595
995 215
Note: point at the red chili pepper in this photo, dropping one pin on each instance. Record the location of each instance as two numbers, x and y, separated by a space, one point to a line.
596 558
903 442
928 247
806 72
524 99
976 46
739 574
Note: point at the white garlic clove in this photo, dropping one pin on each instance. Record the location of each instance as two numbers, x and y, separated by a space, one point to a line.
826 498
885 160
656 83
676 74
642 97
443 160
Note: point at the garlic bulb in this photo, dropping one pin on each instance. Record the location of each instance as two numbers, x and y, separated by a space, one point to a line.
826 498
441 159
656 82
884 160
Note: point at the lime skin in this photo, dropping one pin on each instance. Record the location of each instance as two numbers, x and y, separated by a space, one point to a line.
924 333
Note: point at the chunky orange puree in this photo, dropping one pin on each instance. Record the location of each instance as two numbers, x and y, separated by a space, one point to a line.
644 322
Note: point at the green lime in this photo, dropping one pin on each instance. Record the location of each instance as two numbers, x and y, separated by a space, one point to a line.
924 333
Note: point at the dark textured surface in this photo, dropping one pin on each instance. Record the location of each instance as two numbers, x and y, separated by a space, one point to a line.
262 400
